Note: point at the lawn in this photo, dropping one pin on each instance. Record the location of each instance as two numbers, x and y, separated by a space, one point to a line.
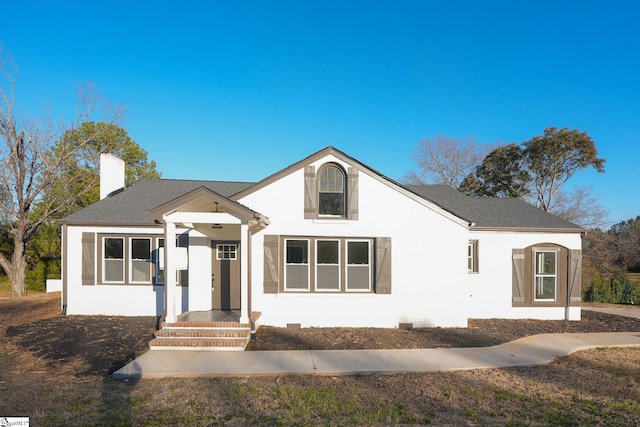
595 387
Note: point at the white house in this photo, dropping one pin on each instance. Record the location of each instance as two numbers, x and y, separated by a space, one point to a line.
327 241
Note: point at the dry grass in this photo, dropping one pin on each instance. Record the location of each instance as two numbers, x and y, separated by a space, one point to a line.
597 387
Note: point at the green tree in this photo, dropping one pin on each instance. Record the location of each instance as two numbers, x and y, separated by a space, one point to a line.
31 164
537 170
87 142
503 173
101 138
554 157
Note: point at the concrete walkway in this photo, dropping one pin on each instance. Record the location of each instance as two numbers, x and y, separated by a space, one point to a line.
627 311
529 351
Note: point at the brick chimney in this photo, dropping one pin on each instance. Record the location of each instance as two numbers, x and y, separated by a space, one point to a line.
111 174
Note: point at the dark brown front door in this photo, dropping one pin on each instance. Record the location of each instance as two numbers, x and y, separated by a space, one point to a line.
225 275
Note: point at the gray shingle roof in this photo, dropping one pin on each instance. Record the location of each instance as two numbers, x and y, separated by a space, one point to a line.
132 205
491 212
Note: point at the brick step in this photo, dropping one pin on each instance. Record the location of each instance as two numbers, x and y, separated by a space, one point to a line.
211 344
206 325
203 333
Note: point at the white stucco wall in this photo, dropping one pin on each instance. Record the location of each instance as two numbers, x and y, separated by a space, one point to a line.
490 290
134 300
428 259
430 283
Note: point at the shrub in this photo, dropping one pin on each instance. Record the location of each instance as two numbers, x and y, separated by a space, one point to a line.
599 290
44 269
619 290
623 289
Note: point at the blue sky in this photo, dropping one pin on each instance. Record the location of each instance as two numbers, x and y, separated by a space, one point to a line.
237 90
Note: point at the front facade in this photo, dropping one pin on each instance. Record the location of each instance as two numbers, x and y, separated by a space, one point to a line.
324 242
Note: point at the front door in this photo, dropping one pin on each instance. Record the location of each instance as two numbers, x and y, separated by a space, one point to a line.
225 275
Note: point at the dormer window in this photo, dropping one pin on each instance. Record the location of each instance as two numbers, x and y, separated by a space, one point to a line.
331 191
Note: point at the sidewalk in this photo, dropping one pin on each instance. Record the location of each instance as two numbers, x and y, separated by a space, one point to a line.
529 351
626 311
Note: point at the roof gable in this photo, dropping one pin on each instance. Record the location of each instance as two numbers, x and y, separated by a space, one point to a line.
332 151
205 200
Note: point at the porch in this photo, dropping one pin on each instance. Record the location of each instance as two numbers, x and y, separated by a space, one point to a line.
217 260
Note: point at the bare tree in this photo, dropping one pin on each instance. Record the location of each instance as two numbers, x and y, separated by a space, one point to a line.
627 241
581 207
31 164
445 160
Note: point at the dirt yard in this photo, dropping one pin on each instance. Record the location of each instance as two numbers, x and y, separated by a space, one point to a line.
56 370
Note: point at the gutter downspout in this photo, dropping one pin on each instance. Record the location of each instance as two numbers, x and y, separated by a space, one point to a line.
63 270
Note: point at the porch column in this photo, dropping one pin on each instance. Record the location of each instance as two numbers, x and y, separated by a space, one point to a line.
244 273
169 272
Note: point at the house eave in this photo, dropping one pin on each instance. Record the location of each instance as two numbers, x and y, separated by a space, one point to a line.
107 224
529 229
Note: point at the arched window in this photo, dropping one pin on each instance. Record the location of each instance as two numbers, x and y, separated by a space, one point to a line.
331 191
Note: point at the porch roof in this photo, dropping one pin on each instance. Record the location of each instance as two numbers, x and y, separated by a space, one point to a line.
133 205
203 205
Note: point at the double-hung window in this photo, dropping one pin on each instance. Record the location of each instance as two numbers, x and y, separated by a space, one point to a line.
328 265
127 260
358 265
113 260
319 264
297 265
140 268
545 276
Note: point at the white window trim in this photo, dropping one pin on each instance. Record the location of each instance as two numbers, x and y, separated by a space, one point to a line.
536 251
148 260
338 289
308 264
472 256
105 259
368 265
